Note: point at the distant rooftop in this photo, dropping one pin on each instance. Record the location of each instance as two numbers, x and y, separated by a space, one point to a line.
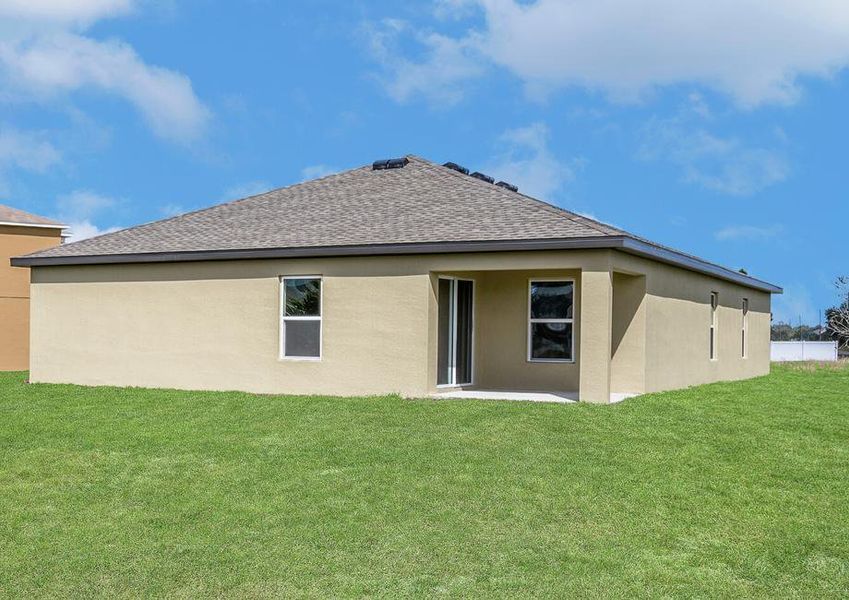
16 216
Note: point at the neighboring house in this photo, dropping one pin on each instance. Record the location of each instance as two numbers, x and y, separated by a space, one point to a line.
20 233
405 277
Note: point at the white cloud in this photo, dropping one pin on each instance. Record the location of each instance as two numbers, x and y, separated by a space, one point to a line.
45 56
246 189
82 204
723 164
439 77
748 232
27 150
755 51
453 9
82 230
316 171
528 162
78 209
78 12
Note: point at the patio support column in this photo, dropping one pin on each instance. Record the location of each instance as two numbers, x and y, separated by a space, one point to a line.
596 314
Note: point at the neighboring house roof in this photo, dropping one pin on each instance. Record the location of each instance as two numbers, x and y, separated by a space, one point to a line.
420 208
15 216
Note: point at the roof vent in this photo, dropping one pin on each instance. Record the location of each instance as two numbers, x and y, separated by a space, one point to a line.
482 177
508 186
391 163
456 167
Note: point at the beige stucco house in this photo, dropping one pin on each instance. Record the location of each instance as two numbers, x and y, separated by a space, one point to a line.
20 233
405 276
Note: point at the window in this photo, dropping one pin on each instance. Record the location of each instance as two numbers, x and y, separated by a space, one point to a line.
745 328
714 304
550 321
300 328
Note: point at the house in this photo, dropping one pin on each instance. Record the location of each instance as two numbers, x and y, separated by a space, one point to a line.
20 233
403 276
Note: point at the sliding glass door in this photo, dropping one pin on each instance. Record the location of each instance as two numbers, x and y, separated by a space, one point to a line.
456 315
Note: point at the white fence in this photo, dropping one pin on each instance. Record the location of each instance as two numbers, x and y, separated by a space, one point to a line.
797 351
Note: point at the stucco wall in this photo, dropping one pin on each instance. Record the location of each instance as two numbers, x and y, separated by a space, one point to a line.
223 333
215 325
628 343
14 291
678 327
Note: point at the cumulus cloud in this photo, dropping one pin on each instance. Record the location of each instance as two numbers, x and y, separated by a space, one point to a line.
82 230
27 150
79 12
440 75
748 232
45 55
78 210
755 51
723 164
528 162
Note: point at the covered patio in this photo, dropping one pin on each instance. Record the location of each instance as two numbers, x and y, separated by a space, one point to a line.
541 335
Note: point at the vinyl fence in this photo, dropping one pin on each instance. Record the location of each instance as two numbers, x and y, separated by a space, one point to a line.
798 351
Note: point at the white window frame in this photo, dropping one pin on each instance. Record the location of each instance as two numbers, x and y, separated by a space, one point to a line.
452 346
531 321
713 348
284 318
745 328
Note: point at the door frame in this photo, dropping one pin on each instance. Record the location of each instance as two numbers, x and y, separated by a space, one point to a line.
452 347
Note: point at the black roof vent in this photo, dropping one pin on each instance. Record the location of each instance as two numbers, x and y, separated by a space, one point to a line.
391 163
482 177
508 186
456 167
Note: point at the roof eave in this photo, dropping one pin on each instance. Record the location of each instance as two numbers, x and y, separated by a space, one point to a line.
621 243
41 225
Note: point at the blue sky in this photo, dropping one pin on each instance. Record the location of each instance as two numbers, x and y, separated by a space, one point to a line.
717 128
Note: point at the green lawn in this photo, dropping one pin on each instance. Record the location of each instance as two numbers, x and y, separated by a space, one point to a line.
737 489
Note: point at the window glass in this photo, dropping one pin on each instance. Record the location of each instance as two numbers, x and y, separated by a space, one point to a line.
551 341
550 323
714 304
551 300
303 297
301 320
303 338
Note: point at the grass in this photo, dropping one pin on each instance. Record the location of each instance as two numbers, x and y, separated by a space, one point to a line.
731 489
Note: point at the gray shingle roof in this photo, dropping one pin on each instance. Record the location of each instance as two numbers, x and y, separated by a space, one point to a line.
422 207
20 217
422 202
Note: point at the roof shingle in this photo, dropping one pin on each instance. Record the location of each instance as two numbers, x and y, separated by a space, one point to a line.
422 207
422 202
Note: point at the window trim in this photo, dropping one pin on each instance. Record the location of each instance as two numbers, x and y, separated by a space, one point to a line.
744 329
452 346
283 318
713 340
530 321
